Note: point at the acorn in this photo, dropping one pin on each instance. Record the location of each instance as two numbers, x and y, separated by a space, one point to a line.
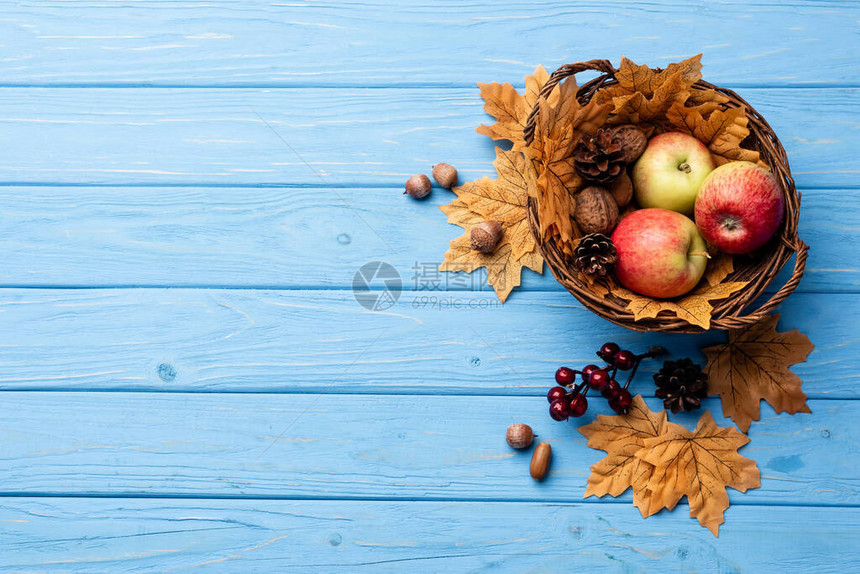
486 236
541 459
519 435
418 186
445 175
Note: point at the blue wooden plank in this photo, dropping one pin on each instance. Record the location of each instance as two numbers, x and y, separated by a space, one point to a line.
324 341
258 42
86 535
344 137
294 238
382 447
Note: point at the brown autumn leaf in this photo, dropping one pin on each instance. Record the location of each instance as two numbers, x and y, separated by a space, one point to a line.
622 437
643 95
699 465
503 200
561 121
721 130
719 268
752 366
695 307
632 78
503 271
705 101
510 108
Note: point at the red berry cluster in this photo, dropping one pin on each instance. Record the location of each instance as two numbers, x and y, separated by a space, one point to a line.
568 400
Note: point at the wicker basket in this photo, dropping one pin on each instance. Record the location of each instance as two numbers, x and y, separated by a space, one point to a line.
739 309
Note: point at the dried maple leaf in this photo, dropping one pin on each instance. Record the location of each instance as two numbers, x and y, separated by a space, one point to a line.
752 366
705 101
722 131
695 307
510 108
622 437
503 200
561 121
503 271
699 465
643 95
633 78
719 268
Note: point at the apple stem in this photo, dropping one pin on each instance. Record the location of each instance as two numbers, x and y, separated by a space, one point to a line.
700 254
685 167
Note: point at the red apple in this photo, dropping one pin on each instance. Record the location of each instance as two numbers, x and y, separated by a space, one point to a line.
668 174
739 208
660 253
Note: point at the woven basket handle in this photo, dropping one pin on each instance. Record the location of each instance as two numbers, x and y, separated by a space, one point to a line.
563 72
801 250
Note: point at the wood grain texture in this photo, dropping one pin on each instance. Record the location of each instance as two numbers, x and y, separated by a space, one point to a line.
232 42
240 145
366 447
295 237
323 341
86 535
321 137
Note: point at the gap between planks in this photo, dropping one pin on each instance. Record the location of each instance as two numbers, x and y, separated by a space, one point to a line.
370 86
554 500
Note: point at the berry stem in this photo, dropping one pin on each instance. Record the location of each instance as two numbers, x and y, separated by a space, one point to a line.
633 373
652 352
573 386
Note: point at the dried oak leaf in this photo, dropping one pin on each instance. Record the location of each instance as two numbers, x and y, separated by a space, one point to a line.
643 95
510 108
503 200
561 121
722 131
699 465
695 307
622 437
752 366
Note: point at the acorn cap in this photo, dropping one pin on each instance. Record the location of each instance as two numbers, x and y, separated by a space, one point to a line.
418 186
445 175
486 236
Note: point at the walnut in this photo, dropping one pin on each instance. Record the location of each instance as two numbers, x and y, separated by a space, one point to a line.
596 210
621 189
632 141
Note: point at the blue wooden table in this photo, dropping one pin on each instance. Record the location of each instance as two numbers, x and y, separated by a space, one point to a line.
186 192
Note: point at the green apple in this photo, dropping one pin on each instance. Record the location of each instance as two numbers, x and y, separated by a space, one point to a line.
670 171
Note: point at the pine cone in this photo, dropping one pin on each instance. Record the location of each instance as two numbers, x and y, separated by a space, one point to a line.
599 157
595 255
682 385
